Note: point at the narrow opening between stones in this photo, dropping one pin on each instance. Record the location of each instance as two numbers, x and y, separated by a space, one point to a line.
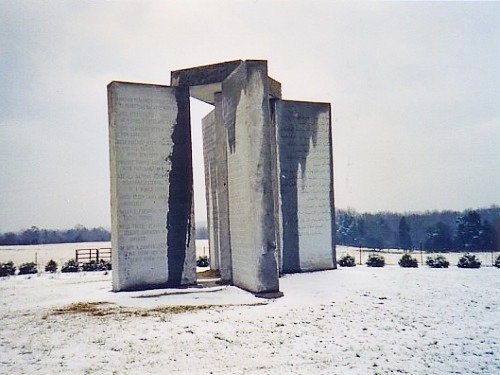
199 110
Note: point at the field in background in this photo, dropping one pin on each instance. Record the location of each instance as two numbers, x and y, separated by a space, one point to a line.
65 251
62 252
392 256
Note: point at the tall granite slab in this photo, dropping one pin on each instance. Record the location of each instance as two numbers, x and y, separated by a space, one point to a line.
247 120
216 191
209 150
151 186
222 189
305 168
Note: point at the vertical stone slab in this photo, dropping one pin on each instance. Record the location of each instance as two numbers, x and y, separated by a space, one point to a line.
305 167
224 246
276 189
246 114
151 186
209 150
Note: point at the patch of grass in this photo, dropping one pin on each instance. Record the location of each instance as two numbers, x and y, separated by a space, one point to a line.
181 309
99 309
208 274
90 308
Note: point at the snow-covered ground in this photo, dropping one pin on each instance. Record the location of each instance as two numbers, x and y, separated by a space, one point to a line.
348 321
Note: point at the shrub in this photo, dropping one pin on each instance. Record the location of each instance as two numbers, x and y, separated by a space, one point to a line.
408 261
91 266
70 266
7 269
202 261
438 261
468 261
497 262
347 261
51 266
375 260
105 265
28 268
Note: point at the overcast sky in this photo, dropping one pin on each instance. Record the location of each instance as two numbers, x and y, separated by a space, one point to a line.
415 89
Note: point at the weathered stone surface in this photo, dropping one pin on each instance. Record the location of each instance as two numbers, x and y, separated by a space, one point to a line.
205 81
209 151
216 190
269 180
246 114
305 168
151 186
225 262
203 75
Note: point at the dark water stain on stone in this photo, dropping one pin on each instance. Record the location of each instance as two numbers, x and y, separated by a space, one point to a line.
231 93
267 264
180 191
297 128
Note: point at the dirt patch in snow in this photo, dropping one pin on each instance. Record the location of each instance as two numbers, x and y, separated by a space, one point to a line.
99 309
208 274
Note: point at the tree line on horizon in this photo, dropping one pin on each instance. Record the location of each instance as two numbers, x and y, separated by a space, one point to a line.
37 236
471 230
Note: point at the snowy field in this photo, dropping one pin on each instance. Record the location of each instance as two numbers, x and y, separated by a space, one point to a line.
65 251
61 252
392 256
348 321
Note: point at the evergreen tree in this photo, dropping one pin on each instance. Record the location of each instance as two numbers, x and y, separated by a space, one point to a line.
488 237
468 229
347 230
361 226
439 238
404 238
378 233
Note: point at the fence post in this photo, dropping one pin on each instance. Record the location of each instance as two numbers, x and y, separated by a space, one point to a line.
421 254
97 255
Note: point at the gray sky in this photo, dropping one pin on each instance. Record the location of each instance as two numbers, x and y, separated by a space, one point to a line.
415 89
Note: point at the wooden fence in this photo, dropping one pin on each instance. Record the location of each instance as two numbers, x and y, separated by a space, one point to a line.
87 255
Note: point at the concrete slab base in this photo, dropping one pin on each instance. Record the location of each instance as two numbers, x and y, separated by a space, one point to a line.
269 295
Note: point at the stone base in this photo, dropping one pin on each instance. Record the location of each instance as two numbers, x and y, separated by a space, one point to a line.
269 295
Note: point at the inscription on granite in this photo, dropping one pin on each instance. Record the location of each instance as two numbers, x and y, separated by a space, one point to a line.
251 202
221 189
268 178
209 150
306 185
142 123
